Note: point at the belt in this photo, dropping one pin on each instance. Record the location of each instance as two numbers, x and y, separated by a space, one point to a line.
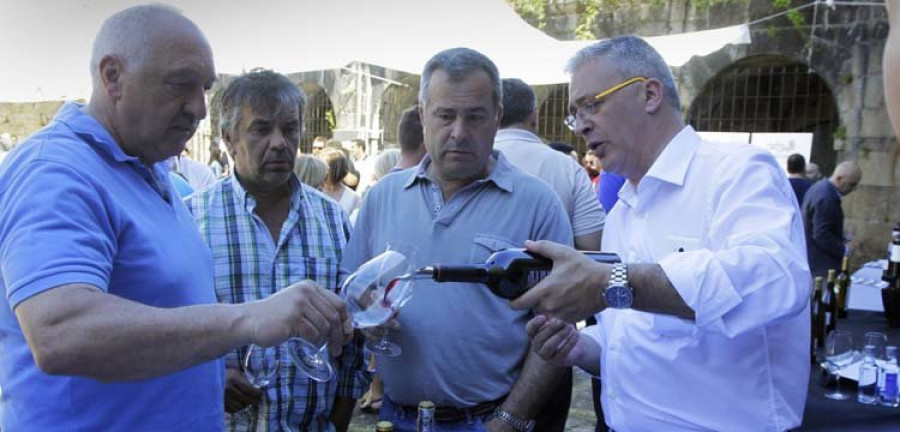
454 414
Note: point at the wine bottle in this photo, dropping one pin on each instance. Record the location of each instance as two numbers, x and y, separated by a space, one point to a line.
841 286
892 267
817 318
508 272
829 301
425 420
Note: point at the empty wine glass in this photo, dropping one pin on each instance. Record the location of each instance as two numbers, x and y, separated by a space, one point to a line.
260 365
312 360
379 288
838 354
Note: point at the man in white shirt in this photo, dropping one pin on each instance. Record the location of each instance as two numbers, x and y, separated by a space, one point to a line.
706 326
517 139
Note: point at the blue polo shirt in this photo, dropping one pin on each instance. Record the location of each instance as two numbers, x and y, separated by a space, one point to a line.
78 210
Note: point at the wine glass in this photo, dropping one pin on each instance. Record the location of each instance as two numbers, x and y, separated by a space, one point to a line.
379 288
838 354
312 360
260 365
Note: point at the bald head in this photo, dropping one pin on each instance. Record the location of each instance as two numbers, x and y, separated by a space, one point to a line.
846 176
151 68
129 35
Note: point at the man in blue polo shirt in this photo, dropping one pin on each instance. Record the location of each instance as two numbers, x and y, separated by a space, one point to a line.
109 320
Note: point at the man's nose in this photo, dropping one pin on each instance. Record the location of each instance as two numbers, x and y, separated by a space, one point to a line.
583 124
196 103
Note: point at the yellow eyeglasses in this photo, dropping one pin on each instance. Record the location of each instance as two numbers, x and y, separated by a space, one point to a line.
594 106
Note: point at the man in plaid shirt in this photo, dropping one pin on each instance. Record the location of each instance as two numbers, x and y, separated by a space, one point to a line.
267 230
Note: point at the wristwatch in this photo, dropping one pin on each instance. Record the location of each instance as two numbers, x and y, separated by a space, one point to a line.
519 424
618 294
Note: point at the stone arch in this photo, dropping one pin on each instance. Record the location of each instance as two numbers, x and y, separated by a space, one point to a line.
318 117
769 93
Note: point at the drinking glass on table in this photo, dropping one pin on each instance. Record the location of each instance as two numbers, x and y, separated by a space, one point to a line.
838 354
879 341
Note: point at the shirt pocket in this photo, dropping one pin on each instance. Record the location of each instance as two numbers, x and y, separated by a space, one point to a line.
483 245
323 271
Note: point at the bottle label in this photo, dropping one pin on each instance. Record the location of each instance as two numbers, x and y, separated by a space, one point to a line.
889 388
895 253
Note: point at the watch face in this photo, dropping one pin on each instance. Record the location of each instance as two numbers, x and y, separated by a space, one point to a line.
619 297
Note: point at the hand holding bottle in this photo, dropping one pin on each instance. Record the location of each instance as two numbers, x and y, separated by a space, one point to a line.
572 290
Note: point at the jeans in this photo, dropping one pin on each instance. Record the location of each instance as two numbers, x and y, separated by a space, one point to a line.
405 421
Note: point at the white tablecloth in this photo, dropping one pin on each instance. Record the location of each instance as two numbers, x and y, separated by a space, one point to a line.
865 288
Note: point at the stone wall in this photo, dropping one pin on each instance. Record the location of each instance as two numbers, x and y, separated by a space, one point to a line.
23 119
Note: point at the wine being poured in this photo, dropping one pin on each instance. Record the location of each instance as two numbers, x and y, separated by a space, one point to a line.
508 273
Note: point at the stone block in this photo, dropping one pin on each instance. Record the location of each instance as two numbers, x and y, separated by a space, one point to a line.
874 97
867 202
875 123
878 168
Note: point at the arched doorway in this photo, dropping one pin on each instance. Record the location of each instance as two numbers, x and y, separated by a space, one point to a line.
318 119
770 93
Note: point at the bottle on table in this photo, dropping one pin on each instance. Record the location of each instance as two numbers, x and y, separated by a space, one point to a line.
868 377
888 394
817 318
842 287
829 300
891 269
425 420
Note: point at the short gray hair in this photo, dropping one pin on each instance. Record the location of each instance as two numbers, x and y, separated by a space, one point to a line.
632 56
261 90
458 63
126 34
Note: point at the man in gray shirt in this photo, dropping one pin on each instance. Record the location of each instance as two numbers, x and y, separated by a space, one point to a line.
463 348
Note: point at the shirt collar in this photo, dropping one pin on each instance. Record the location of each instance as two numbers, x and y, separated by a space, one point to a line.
517 134
248 201
672 164
73 115
501 175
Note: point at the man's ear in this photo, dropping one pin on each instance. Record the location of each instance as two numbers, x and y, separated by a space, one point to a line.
111 76
653 96
229 147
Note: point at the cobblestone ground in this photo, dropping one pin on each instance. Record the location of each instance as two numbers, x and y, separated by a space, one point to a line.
581 414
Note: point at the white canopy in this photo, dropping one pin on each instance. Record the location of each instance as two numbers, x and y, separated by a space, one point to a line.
47 43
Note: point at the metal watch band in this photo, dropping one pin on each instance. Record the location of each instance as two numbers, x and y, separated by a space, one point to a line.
619 274
516 423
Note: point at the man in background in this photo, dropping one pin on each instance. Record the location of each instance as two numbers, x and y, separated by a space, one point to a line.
823 218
